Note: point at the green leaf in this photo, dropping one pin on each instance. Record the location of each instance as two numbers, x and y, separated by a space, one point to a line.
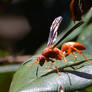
25 79
86 38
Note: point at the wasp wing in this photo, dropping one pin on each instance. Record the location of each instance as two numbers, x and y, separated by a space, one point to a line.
53 30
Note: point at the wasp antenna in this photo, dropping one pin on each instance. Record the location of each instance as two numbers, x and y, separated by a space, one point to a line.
72 29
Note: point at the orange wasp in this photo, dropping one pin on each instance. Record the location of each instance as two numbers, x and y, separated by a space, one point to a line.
52 52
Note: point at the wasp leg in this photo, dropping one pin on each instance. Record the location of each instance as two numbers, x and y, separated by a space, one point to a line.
54 63
56 67
49 67
75 57
65 59
69 51
64 56
32 63
82 55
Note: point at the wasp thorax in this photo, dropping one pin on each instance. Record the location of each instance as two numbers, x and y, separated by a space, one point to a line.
52 52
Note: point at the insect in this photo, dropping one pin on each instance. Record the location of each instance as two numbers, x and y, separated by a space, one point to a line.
71 47
79 7
52 52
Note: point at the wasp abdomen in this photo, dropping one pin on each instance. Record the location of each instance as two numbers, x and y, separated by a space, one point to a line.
68 45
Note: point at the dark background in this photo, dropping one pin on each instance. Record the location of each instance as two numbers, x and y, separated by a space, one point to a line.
28 23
